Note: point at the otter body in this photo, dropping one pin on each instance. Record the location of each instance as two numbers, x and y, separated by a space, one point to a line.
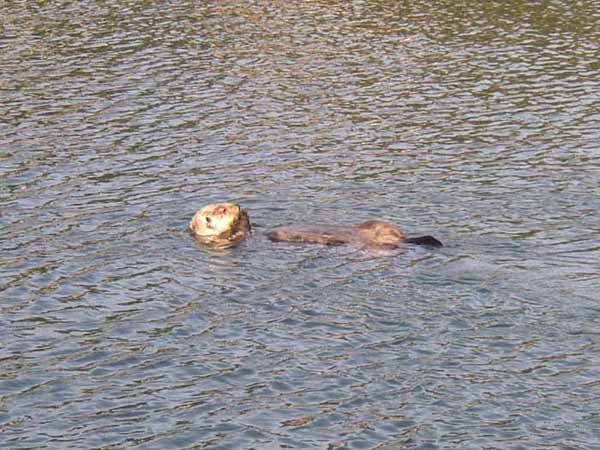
372 233
226 224
314 234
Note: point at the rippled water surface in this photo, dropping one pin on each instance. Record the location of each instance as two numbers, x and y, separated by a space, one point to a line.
476 122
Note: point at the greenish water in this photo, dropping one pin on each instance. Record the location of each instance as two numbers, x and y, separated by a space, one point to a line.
475 122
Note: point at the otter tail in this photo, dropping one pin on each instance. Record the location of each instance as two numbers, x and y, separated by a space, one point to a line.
430 241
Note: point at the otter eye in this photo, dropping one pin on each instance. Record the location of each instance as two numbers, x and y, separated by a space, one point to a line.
208 220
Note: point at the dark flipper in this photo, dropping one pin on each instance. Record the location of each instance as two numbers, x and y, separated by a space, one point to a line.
430 241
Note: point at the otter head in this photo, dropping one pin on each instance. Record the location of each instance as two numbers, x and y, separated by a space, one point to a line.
381 233
220 223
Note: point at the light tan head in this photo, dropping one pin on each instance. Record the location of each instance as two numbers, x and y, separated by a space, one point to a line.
381 233
225 221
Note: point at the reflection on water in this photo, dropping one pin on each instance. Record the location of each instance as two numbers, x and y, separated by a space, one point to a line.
476 123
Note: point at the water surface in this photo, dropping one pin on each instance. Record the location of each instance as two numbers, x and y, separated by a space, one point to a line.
476 123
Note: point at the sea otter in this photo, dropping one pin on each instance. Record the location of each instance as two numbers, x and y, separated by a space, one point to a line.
220 224
226 224
372 233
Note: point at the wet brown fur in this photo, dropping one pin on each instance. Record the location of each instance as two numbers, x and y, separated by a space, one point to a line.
226 224
373 233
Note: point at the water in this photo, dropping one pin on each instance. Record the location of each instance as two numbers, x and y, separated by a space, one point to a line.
476 123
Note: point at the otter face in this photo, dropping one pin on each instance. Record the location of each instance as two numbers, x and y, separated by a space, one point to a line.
215 220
